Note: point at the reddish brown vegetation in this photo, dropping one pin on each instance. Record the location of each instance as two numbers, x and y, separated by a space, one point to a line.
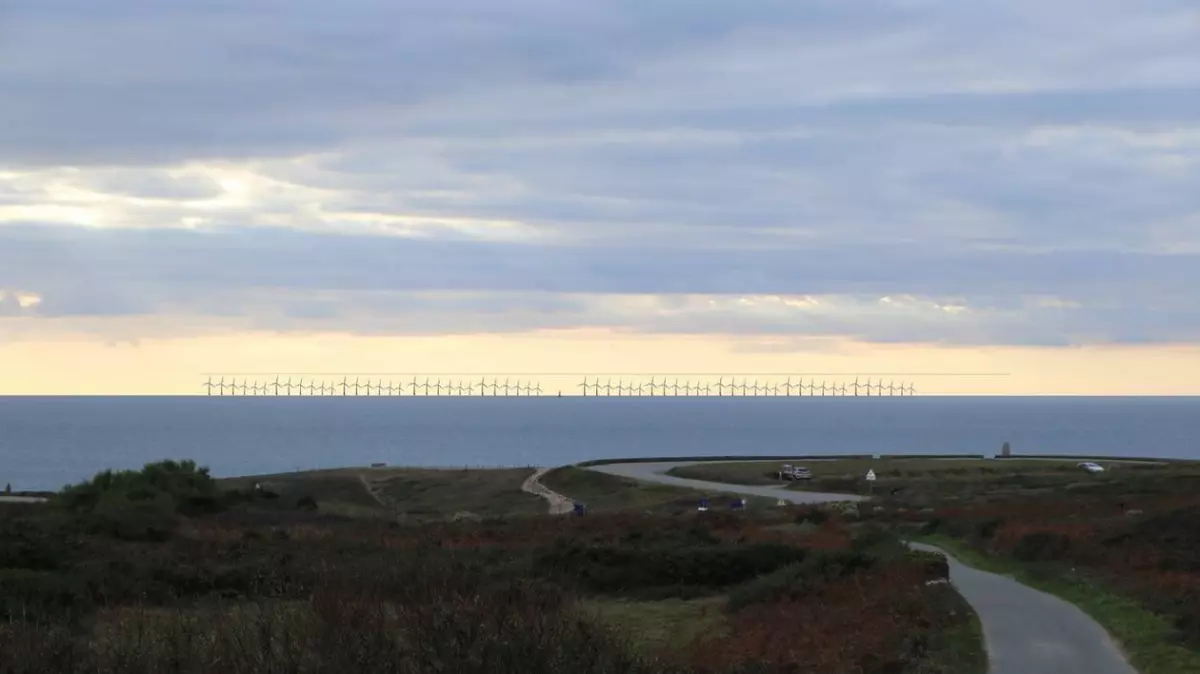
1144 544
310 593
889 611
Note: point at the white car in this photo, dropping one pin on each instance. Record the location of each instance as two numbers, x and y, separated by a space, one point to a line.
1092 467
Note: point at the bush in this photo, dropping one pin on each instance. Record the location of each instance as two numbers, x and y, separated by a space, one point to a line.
141 504
35 596
173 486
1042 546
800 579
813 515
661 570
985 530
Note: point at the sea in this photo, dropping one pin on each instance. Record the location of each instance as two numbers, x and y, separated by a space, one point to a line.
48 442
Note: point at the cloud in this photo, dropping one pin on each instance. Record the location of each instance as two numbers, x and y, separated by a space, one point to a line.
1003 170
293 280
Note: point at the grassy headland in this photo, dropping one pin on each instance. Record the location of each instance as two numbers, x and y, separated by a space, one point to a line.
165 571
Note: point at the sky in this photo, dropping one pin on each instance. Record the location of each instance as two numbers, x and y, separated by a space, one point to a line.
1005 194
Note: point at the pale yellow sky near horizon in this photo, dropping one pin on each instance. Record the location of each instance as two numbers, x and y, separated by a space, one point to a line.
77 365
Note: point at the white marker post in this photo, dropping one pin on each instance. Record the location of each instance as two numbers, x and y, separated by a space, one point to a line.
871 481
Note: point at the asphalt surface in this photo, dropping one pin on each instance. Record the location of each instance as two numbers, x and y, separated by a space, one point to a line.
654 472
1026 631
1031 632
22 499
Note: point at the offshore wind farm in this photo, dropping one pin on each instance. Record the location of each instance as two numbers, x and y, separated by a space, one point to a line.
482 385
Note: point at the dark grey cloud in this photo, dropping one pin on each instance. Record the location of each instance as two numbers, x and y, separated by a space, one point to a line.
608 163
281 279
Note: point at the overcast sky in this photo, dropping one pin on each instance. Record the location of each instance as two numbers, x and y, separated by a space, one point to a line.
1008 173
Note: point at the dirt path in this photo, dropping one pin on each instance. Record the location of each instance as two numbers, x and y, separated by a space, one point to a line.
559 504
373 491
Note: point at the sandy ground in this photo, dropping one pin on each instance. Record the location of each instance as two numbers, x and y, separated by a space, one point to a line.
559 504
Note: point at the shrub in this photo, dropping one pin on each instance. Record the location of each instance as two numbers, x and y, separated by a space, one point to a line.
813 515
800 579
1042 546
34 596
985 530
660 570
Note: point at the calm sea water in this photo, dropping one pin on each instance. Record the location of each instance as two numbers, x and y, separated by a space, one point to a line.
48 442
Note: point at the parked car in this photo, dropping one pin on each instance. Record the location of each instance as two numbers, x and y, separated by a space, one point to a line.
1091 467
790 472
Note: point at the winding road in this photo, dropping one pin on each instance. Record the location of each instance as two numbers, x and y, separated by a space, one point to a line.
655 472
1026 631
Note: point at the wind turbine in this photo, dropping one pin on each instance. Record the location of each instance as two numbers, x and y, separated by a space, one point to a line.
707 389
584 386
855 386
912 390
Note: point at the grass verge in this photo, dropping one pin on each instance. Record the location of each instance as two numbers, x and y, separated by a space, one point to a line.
603 492
1146 637
656 626
959 650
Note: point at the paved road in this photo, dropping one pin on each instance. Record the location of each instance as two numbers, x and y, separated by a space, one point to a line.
1027 631
1031 632
654 472
22 499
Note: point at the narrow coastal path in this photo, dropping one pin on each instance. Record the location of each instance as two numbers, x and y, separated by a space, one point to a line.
1030 632
1026 631
558 504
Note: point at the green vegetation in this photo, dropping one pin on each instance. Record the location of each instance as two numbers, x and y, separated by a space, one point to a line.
411 493
925 481
959 649
487 493
602 492
258 579
664 625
